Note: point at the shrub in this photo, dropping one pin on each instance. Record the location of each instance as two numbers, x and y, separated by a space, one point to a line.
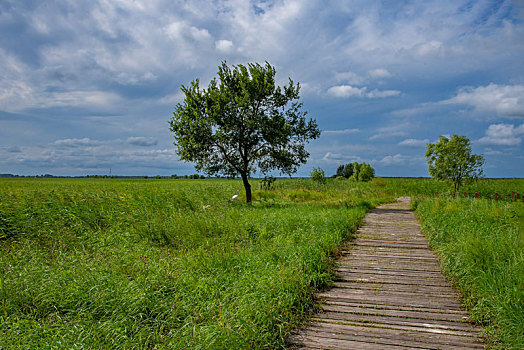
318 175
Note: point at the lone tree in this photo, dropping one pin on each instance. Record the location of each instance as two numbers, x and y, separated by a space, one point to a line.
451 159
242 122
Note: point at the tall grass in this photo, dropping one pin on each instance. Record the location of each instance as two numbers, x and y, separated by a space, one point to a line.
481 247
167 264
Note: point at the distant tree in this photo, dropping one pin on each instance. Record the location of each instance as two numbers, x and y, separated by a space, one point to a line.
340 171
366 172
318 175
451 159
348 170
356 170
242 122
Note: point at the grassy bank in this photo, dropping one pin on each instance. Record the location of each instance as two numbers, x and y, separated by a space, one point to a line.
166 264
481 248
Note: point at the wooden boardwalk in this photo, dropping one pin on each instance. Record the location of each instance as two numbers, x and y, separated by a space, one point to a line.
390 293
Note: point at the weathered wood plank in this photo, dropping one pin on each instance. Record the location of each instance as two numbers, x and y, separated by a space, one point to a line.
422 315
461 313
394 336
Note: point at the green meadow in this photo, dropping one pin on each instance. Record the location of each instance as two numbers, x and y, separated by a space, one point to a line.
177 264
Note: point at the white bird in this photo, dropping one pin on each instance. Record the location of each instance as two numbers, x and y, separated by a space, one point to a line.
235 196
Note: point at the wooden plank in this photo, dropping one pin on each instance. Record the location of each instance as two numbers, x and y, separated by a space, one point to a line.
398 326
422 315
391 263
391 320
396 337
390 271
415 259
356 276
319 342
423 289
428 309
388 293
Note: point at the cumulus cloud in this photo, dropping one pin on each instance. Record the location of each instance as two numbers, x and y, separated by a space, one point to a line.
224 45
334 157
414 143
98 67
393 160
380 73
142 141
345 91
504 100
503 135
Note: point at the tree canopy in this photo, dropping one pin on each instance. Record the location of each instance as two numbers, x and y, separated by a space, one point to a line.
451 159
356 171
243 122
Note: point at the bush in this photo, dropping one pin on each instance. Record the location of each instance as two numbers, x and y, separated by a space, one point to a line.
318 175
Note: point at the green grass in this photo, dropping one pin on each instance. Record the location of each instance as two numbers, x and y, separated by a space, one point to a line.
481 248
167 264
174 264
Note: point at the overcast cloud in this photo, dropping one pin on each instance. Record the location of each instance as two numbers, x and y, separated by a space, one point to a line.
90 85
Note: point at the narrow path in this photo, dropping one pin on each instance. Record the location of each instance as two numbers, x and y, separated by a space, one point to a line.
390 293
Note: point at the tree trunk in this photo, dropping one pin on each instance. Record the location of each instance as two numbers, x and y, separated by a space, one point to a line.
247 187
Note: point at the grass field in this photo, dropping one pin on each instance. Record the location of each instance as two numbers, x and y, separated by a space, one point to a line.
481 245
167 264
104 263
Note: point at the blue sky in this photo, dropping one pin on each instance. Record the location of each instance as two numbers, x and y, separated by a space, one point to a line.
90 85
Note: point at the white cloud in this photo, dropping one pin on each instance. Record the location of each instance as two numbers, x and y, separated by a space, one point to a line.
332 157
340 132
392 160
380 73
414 143
503 135
84 142
430 48
504 100
224 45
345 91
178 30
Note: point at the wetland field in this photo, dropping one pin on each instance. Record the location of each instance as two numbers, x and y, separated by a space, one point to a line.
178 264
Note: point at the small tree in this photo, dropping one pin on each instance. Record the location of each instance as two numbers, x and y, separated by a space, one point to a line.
318 175
366 172
451 159
242 122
